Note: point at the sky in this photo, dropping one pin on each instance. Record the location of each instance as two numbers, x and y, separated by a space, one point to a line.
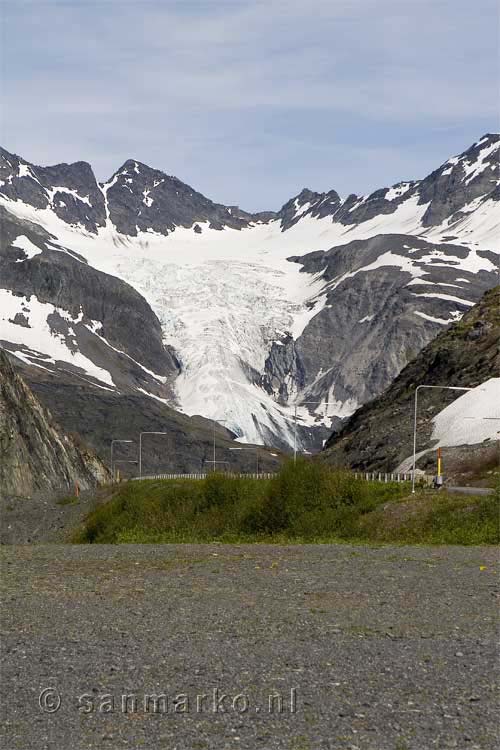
249 102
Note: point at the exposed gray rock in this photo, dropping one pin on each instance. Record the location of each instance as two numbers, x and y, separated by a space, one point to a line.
35 455
373 323
283 370
136 196
452 186
70 190
308 202
142 198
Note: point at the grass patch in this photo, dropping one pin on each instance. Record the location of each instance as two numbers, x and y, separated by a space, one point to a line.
437 518
305 503
70 500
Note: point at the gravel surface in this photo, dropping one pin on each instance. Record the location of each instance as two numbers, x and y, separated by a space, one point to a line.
371 648
29 520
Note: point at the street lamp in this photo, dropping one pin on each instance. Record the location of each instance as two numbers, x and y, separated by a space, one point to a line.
214 462
442 387
140 447
113 462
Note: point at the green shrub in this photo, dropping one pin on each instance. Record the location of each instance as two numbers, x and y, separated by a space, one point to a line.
306 501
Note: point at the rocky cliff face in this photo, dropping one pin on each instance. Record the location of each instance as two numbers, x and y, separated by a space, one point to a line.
380 434
136 198
101 416
36 457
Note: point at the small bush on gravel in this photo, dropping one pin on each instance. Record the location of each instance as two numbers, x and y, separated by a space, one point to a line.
306 502
304 496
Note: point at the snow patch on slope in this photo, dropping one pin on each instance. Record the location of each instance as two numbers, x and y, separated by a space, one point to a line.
45 345
471 418
473 169
27 246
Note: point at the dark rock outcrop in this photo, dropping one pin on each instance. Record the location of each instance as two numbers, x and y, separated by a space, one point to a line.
36 457
136 197
70 190
144 199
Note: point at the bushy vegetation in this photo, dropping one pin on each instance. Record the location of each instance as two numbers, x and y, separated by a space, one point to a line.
305 502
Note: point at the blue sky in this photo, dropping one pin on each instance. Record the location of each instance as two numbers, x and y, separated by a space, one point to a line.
251 101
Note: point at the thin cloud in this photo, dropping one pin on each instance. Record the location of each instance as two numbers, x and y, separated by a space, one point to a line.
224 92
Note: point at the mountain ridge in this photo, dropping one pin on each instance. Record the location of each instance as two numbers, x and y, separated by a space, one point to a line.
256 312
352 209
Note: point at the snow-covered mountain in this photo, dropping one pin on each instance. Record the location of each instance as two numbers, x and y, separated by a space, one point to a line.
142 285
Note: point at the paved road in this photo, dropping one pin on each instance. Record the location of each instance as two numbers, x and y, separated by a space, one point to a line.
373 649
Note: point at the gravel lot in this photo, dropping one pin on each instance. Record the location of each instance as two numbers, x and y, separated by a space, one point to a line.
371 648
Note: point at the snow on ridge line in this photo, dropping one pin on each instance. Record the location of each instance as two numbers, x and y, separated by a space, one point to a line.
69 191
474 168
396 191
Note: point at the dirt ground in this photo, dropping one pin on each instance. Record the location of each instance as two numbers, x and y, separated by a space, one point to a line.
297 647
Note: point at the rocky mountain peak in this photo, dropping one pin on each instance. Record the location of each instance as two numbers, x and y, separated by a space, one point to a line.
142 199
308 203
69 190
457 186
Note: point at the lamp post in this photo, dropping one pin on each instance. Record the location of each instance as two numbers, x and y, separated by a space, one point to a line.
113 442
140 447
442 387
214 462
295 425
